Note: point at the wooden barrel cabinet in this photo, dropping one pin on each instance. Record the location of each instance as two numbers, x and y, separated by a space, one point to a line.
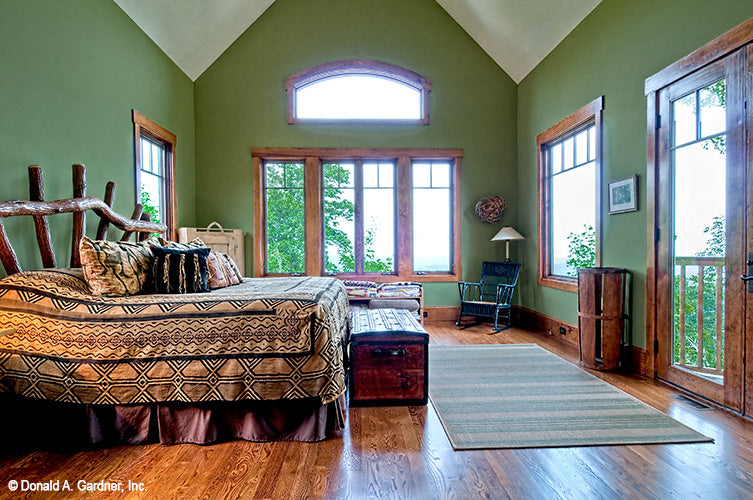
602 315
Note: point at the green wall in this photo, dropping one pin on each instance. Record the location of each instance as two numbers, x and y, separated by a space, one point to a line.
610 53
241 103
70 73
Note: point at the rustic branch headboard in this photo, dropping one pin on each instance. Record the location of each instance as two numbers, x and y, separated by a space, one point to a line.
36 207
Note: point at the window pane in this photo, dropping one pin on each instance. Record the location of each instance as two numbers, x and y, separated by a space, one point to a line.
358 97
567 153
581 148
386 174
431 230
713 113
152 195
339 219
555 153
591 143
421 175
370 175
432 218
573 220
378 230
683 111
146 155
286 250
440 175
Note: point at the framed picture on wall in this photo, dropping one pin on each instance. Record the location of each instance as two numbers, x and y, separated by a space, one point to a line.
623 195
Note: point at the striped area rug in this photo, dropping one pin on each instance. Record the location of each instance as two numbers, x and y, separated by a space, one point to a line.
523 396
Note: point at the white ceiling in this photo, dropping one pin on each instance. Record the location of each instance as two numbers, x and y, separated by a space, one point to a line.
517 34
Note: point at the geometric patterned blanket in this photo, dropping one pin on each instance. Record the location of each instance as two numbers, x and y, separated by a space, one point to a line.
266 338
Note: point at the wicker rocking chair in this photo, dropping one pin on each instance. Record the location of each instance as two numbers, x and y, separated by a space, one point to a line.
492 296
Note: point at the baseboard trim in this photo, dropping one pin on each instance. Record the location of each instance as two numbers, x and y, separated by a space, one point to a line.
533 320
635 358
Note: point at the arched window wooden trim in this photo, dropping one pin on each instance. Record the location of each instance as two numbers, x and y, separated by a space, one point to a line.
358 67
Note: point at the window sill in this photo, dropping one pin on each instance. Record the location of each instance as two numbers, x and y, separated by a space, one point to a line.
559 282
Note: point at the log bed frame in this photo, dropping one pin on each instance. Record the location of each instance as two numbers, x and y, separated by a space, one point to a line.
140 222
41 423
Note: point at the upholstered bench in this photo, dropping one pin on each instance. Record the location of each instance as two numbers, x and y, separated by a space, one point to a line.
389 358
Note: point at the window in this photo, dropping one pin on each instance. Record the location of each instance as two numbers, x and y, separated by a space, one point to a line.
357 91
570 197
155 171
381 214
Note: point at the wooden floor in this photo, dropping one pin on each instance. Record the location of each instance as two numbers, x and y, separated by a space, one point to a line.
403 452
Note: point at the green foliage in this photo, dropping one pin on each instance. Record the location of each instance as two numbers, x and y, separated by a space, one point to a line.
581 250
716 97
692 286
286 252
146 201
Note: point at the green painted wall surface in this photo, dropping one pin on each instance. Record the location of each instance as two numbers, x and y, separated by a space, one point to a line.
610 53
70 73
241 103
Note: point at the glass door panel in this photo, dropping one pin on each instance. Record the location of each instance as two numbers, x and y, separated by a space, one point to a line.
699 166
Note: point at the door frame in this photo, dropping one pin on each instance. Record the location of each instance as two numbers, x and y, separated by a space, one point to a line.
657 257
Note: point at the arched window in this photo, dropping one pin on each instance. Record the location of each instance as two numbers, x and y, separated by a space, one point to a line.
358 91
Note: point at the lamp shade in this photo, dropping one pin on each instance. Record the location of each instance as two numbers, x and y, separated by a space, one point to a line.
507 234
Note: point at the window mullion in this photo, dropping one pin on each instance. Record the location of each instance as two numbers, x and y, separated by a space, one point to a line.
313 221
404 226
358 201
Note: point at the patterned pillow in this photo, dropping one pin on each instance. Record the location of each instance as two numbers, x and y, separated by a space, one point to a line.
115 268
234 267
194 243
177 270
216 272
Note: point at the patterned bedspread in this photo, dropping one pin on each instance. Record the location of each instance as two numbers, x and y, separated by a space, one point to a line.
266 338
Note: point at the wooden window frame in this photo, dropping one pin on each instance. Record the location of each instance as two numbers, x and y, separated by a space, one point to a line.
313 158
358 67
143 126
590 113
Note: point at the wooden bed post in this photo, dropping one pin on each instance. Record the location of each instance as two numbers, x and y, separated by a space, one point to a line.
36 193
104 223
7 255
146 217
136 215
79 217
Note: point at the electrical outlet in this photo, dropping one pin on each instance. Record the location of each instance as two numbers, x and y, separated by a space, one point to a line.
563 330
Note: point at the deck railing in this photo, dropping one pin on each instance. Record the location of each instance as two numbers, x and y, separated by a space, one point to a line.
699 314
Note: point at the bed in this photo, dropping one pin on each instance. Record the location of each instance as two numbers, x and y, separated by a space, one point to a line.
261 360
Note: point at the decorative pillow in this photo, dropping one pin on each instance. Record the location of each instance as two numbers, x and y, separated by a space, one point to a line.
177 270
217 276
194 243
234 267
115 268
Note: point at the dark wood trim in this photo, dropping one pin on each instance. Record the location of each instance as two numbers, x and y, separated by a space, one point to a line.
528 319
144 126
716 49
314 239
635 359
259 235
286 154
403 158
589 112
363 67
652 174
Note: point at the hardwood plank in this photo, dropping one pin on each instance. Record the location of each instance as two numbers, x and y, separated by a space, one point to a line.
403 452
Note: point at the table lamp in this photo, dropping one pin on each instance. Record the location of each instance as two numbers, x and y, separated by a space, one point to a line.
507 234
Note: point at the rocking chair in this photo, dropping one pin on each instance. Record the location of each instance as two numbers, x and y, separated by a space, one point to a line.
492 296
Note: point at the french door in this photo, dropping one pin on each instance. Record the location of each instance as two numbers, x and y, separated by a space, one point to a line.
703 186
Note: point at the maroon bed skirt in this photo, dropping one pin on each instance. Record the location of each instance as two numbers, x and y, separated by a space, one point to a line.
38 423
